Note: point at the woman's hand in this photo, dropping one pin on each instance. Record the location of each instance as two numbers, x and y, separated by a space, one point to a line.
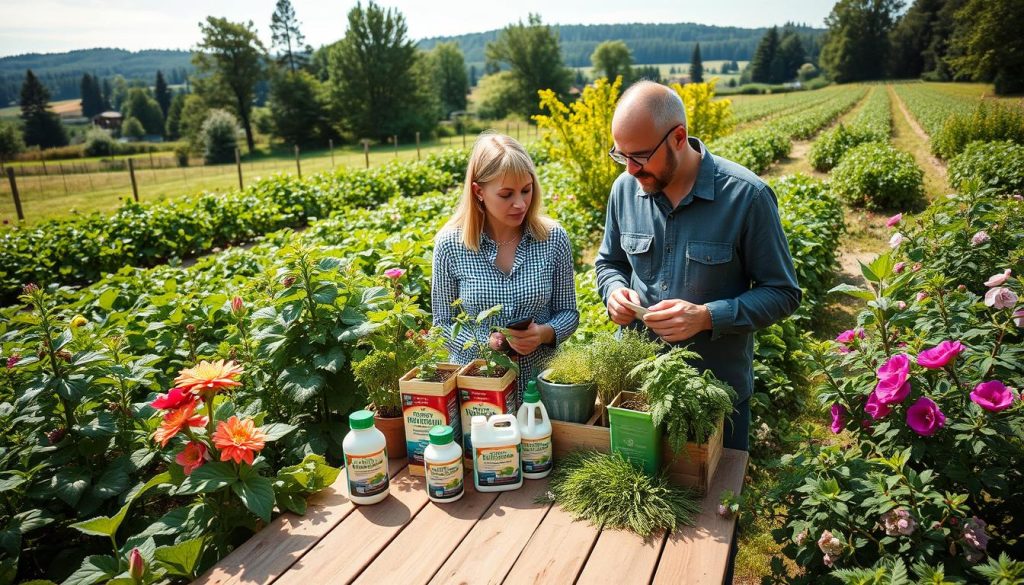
528 340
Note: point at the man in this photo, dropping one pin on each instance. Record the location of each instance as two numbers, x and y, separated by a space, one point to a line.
697 240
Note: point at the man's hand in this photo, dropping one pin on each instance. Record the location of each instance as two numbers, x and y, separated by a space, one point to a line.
528 340
677 320
621 314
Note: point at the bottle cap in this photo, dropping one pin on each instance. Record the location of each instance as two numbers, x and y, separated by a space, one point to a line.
360 419
441 435
531 395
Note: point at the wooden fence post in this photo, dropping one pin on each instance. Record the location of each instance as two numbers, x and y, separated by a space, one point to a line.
298 165
417 145
131 172
330 143
14 192
395 139
366 151
238 164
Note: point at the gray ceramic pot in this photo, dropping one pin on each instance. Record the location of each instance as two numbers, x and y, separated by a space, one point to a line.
567 402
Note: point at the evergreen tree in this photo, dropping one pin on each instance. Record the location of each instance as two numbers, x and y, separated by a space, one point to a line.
162 94
41 127
857 42
761 64
790 57
108 91
696 66
473 76
230 60
532 54
287 38
10 142
172 126
92 99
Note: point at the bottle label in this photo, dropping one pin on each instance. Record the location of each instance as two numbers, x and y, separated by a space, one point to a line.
537 455
444 480
497 465
367 474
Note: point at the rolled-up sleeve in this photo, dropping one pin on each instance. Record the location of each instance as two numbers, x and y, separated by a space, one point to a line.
612 265
775 293
565 316
444 286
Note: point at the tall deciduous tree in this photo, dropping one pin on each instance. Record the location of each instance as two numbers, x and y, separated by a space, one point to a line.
532 54
287 38
41 127
448 68
230 60
141 106
612 59
857 42
296 107
988 44
162 94
696 66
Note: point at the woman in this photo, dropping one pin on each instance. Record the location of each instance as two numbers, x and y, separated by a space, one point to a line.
500 249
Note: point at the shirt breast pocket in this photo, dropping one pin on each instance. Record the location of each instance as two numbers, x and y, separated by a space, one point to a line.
638 249
709 270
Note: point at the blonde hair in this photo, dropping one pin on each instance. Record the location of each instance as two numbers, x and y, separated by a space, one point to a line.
494 157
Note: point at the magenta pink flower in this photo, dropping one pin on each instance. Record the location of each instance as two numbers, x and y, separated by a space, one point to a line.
979 238
993 396
901 305
847 337
874 408
894 220
1000 297
924 417
940 355
897 365
896 240
999 279
1018 317
394 273
892 384
921 296
838 417
916 267
898 268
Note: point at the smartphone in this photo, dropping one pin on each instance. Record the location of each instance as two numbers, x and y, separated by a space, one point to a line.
521 325
637 309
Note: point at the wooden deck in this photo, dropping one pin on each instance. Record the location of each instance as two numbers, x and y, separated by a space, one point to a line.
483 538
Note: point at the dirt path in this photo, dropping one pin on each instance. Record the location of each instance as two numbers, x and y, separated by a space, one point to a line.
909 136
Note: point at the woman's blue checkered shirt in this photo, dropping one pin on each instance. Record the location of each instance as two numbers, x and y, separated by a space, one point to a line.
540 285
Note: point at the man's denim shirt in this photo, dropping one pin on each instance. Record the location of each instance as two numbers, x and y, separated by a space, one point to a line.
722 246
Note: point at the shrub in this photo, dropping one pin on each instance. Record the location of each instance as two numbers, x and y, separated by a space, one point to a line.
11 143
570 365
990 121
132 128
756 149
989 165
878 176
99 143
219 136
706 118
829 148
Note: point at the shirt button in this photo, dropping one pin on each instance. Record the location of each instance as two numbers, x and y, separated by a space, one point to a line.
668 249
707 258
664 287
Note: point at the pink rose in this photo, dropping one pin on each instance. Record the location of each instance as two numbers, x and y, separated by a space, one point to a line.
898 268
849 335
901 305
874 408
940 355
894 220
896 240
924 417
892 384
921 296
394 273
998 279
1018 317
897 365
838 417
237 306
979 238
993 396
898 522
1000 297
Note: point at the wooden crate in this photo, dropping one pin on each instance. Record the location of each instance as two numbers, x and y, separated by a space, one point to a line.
567 436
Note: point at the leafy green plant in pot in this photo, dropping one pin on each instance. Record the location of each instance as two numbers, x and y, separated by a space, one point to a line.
612 360
567 386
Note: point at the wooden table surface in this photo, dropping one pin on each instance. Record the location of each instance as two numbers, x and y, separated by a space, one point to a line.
500 537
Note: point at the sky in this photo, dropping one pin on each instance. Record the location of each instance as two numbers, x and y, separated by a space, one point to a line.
50 26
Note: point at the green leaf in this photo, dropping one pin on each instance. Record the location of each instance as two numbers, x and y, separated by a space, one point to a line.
257 493
326 295
853 291
107 299
485 315
183 558
373 294
102 425
292 502
868 274
70 484
332 361
209 478
275 431
112 483
94 569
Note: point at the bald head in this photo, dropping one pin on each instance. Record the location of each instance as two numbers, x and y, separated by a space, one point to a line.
649 105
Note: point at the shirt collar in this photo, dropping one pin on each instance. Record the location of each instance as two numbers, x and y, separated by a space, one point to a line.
704 186
486 239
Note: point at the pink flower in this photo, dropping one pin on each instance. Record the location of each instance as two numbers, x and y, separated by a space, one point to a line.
940 355
993 396
1018 317
924 417
829 544
13 360
892 384
847 337
894 220
898 522
896 240
898 268
394 273
875 408
901 305
998 279
193 456
921 296
974 533
136 565
1000 297
897 365
916 267
838 417
174 398
979 238
237 306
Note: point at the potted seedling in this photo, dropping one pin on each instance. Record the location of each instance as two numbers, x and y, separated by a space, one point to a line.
429 396
379 372
567 386
612 360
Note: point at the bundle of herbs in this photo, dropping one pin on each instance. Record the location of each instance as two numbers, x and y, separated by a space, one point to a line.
608 490
688 403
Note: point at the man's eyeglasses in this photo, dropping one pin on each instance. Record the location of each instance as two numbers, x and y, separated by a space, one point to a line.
639 159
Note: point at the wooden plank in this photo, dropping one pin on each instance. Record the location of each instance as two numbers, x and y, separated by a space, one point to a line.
424 545
557 551
269 552
698 554
344 552
491 548
622 557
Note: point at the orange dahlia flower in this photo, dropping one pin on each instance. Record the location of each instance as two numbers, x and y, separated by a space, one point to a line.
176 420
238 440
209 376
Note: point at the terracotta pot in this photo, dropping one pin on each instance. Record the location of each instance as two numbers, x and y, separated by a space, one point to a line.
394 434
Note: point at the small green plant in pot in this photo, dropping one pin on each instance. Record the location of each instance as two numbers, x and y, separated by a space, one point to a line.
612 360
567 386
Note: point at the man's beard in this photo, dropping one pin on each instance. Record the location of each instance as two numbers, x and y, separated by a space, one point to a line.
660 181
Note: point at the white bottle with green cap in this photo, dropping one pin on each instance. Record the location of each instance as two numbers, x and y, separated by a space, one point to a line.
442 461
366 460
535 427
